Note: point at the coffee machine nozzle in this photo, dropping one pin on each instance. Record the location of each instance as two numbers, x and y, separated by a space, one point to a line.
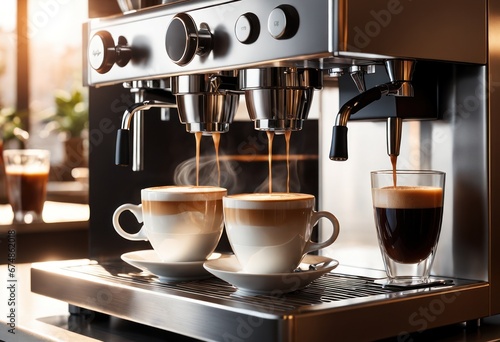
279 98
206 103
400 73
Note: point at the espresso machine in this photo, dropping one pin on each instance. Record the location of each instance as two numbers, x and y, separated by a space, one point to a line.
356 82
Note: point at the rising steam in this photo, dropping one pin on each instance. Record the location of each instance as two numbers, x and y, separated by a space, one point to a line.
185 173
233 176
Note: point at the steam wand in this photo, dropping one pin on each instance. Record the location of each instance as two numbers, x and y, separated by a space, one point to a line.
338 149
122 153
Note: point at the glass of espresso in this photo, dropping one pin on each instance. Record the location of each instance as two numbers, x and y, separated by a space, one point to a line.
408 208
26 174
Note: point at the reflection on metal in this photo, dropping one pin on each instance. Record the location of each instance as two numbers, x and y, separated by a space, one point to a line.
309 314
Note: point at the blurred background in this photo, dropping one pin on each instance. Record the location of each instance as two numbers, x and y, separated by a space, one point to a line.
43 105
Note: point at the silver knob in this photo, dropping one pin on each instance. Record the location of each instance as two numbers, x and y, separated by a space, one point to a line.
183 39
247 28
283 22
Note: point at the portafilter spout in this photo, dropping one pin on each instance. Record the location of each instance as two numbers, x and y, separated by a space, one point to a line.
279 98
122 153
206 103
400 73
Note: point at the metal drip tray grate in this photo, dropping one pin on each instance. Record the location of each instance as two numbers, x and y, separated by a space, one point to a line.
330 287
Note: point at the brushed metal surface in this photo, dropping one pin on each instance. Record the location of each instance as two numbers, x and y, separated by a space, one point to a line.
330 33
493 128
214 310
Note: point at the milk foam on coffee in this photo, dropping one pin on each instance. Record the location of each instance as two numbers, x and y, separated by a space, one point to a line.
270 233
407 197
182 223
192 193
272 200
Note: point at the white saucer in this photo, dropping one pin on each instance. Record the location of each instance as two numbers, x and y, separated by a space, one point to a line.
148 261
229 270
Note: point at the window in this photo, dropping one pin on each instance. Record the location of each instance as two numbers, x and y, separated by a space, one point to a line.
53 65
8 54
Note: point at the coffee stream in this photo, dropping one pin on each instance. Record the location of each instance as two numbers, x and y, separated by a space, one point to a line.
288 135
270 137
394 160
216 139
198 143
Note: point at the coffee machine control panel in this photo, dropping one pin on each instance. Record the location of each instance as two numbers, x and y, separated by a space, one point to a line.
167 41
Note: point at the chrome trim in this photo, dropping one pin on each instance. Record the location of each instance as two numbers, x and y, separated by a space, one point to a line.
331 33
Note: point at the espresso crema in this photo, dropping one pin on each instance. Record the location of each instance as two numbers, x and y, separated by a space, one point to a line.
408 197
275 196
408 221
269 201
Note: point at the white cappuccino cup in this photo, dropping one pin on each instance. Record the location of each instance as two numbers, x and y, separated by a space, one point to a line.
182 223
271 233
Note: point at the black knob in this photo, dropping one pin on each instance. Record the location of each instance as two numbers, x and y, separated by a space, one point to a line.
183 40
103 54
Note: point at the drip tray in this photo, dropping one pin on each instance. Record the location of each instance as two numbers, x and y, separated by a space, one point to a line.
329 288
212 309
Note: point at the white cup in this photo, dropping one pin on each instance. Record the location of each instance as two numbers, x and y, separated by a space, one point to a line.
271 233
182 223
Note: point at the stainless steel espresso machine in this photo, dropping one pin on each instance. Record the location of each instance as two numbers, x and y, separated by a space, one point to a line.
415 79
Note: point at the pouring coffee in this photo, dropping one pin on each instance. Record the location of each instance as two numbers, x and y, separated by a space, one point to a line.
408 220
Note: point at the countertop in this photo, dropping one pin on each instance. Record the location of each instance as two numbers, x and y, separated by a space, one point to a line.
57 216
39 318
63 235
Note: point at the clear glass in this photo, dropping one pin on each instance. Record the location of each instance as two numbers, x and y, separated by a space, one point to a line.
408 210
27 173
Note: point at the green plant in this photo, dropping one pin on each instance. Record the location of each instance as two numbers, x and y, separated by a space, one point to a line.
10 120
71 113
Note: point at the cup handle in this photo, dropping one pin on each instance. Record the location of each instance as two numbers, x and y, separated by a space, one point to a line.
316 216
137 211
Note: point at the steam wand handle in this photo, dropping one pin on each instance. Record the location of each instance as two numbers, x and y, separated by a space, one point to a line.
122 152
123 134
338 150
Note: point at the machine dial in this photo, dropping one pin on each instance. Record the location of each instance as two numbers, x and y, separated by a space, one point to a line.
247 28
183 39
283 22
103 54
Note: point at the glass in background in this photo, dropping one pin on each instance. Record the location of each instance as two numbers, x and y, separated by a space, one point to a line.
27 173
